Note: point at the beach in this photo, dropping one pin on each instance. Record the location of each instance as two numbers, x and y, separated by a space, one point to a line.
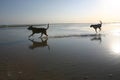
70 52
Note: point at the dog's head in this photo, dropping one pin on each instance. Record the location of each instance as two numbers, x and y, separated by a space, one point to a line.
91 25
30 28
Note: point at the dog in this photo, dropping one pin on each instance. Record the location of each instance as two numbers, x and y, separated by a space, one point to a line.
38 30
97 26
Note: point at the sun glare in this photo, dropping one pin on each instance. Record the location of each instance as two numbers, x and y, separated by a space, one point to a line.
116 32
116 48
115 45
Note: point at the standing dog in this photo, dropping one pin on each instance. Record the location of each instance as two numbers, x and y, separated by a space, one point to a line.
38 30
95 26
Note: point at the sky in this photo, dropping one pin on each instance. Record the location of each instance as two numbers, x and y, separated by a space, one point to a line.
58 11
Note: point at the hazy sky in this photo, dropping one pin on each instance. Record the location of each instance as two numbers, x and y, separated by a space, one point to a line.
58 11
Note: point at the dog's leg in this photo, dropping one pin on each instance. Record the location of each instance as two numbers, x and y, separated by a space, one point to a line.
46 33
42 40
31 35
99 29
41 35
96 30
32 40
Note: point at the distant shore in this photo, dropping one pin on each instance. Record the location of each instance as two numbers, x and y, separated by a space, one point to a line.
24 25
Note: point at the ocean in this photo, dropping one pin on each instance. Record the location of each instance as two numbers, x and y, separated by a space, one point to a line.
72 51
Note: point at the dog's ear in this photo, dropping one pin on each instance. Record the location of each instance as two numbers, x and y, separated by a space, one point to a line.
90 25
100 22
31 26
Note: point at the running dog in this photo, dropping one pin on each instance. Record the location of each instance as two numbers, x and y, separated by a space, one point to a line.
38 30
95 26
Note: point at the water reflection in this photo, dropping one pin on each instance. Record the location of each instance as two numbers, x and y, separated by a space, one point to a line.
93 37
97 37
36 44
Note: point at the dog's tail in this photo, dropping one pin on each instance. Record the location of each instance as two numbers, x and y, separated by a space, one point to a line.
100 22
47 26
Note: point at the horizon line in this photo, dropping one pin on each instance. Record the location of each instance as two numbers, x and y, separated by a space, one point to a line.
36 24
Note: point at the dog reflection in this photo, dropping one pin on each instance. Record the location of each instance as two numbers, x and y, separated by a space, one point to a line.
37 44
97 37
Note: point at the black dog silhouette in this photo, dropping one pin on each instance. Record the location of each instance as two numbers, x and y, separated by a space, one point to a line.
38 30
97 26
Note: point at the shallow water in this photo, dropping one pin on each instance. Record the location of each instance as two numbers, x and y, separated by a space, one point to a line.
71 52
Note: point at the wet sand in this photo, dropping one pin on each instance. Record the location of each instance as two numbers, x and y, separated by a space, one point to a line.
69 53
